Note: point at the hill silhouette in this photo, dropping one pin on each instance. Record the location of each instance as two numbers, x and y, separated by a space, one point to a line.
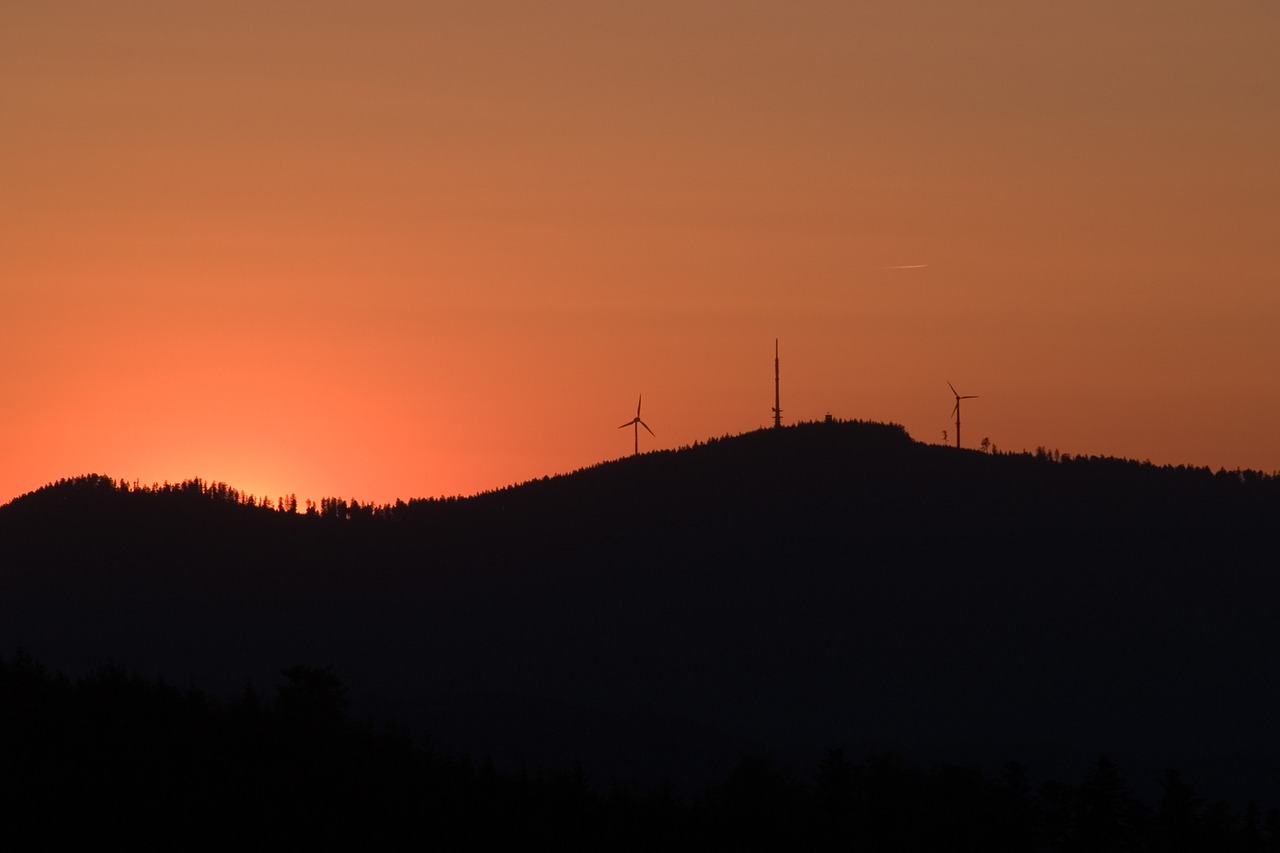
783 591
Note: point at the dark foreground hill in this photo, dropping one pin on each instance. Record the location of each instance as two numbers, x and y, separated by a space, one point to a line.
785 591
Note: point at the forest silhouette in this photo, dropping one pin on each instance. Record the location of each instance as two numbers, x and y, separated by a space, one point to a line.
735 610
145 762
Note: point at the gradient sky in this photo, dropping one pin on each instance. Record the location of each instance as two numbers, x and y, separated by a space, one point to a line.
404 249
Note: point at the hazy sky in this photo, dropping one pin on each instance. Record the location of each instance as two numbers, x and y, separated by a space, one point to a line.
399 249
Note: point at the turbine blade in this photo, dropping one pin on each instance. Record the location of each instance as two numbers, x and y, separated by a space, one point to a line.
627 424
638 402
953 388
956 410
646 426
970 397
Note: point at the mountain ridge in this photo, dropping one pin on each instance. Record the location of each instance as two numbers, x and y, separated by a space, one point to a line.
818 585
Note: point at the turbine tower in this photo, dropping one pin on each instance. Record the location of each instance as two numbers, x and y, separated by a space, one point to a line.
637 423
956 411
777 399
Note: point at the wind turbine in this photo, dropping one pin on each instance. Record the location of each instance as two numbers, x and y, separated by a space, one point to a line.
956 411
637 423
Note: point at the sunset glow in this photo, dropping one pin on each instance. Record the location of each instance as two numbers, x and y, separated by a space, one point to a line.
398 249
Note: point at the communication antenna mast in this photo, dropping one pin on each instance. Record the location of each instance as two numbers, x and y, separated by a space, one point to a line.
777 399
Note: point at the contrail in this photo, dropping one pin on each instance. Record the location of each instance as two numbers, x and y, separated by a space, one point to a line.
907 267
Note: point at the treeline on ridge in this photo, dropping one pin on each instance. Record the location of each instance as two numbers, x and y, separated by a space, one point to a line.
817 437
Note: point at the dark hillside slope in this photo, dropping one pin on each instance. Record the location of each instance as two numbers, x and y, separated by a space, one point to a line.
787 589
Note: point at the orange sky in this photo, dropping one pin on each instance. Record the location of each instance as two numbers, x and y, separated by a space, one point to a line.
399 249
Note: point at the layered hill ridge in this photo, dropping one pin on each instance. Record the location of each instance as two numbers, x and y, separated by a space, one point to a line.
784 590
